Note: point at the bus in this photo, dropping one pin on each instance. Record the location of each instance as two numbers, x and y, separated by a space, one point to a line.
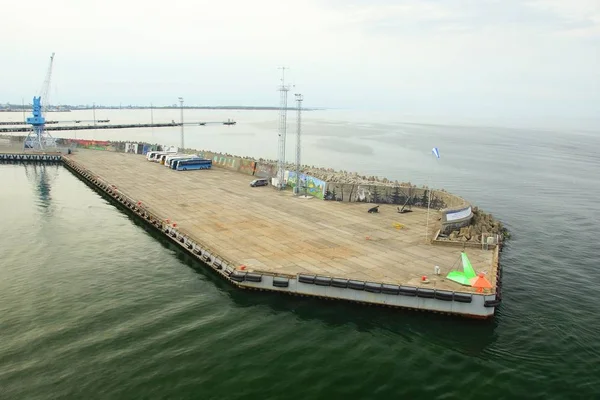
166 159
176 161
155 155
191 164
169 159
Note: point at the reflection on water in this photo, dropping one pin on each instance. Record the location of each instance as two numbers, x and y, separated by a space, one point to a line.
41 177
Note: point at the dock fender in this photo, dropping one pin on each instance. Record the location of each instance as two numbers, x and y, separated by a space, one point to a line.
356 285
492 303
280 281
310 279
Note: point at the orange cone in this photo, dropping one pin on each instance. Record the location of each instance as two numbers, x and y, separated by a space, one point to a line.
480 282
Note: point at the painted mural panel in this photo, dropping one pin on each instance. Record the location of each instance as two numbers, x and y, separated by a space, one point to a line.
378 194
265 170
314 187
90 144
131 148
247 166
225 161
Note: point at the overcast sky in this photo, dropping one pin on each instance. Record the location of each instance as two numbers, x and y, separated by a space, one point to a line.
482 57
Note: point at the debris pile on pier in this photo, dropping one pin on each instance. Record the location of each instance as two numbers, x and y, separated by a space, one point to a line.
481 224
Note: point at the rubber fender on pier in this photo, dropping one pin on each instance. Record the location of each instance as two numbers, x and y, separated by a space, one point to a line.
182 239
463 297
253 277
189 245
425 293
407 291
197 251
339 282
356 285
206 256
444 295
323 281
373 287
390 289
217 264
238 276
174 234
167 231
492 303
279 281
306 278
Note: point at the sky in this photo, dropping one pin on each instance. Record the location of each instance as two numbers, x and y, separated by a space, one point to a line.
446 57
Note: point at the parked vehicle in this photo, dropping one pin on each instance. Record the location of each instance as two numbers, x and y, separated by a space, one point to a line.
259 182
191 164
176 161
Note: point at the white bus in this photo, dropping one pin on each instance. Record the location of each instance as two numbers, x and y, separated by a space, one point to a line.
172 157
155 155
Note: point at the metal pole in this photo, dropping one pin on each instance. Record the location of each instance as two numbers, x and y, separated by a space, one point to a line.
299 99
23 102
181 107
94 108
427 223
152 119
283 91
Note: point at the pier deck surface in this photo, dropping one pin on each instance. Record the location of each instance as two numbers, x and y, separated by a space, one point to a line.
276 232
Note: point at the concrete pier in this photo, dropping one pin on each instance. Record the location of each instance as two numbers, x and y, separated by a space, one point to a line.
25 128
260 238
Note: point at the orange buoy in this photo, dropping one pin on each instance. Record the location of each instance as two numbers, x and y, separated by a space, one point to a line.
424 278
174 224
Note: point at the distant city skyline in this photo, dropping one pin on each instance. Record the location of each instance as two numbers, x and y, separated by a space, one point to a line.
490 58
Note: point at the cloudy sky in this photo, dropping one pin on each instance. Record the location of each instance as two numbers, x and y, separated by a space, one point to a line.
483 57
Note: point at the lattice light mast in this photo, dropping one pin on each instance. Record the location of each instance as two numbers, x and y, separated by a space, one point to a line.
299 99
283 93
182 138
38 138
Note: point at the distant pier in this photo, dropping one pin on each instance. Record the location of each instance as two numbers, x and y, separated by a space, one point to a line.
21 127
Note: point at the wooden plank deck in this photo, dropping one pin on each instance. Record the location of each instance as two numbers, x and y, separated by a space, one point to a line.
276 232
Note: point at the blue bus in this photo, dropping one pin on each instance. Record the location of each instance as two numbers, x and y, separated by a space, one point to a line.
175 161
196 163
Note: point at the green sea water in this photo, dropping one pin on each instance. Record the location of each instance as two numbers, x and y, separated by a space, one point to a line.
93 305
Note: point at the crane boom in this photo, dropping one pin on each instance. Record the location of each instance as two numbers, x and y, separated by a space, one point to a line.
45 90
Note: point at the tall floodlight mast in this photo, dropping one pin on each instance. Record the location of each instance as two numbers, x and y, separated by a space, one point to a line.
182 145
283 93
38 138
299 99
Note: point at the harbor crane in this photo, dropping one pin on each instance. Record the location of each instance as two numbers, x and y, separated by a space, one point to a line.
38 138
